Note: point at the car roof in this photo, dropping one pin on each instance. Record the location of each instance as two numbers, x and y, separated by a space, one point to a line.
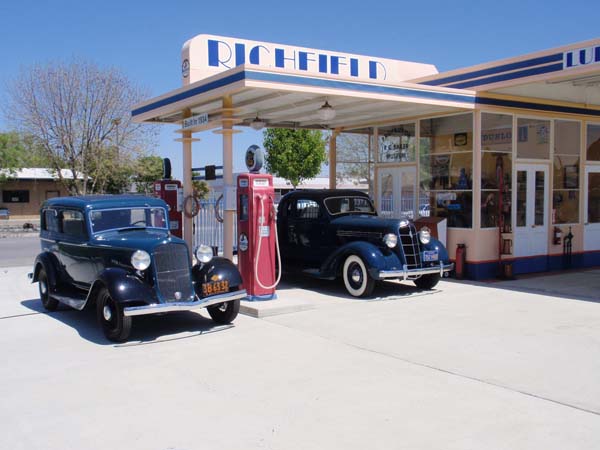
104 201
325 193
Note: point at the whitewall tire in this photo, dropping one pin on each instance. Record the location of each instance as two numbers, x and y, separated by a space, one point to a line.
356 277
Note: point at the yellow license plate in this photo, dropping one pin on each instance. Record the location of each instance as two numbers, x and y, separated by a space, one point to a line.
216 287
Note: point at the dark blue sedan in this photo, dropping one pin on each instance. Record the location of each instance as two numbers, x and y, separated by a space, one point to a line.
337 233
116 252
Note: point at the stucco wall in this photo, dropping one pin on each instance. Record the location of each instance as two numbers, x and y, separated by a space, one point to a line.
39 191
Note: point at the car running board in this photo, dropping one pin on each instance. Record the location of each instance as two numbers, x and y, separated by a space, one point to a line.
76 302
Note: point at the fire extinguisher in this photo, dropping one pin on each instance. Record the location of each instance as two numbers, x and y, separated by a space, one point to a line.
557 236
461 258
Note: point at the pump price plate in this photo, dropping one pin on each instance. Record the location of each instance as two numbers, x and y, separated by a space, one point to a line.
215 287
430 255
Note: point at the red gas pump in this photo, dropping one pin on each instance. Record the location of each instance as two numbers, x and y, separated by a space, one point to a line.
257 235
170 192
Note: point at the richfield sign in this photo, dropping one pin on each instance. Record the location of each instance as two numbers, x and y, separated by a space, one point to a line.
206 55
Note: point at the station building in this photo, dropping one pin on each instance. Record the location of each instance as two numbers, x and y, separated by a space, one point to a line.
507 152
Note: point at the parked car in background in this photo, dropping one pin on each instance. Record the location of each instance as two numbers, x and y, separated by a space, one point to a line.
116 252
337 234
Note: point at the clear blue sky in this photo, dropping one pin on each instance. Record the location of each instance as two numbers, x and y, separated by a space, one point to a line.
144 38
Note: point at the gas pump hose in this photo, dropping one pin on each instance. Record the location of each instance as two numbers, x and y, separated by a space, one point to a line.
262 212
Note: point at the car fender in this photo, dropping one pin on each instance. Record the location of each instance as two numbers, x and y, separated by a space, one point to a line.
434 244
49 262
375 258
124 287
216 269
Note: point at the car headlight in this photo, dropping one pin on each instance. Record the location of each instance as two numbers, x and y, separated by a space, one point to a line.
390 240
425 235
203 253
140 260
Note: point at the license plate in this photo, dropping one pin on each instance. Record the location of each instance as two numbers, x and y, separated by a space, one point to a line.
430 255
215 287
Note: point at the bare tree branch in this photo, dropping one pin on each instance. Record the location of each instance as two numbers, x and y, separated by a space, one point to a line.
80 114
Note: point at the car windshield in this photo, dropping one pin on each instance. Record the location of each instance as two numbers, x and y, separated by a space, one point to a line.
349 205
127 218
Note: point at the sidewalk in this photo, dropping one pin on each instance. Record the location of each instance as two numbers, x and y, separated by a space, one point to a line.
19 227
581 284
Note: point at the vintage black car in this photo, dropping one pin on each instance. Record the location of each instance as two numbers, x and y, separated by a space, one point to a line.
333 233
117 252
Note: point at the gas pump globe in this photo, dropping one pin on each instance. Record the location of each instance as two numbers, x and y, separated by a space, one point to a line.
257 230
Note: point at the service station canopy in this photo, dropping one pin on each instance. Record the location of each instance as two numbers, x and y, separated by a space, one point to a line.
285 87
291 100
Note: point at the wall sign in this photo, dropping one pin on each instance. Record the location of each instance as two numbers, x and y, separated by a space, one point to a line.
194 121
581 57
208 55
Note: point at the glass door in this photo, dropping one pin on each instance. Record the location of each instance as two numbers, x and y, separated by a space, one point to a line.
397 187
531 231
591 233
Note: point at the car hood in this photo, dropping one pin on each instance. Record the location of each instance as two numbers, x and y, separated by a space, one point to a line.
144 239
358 222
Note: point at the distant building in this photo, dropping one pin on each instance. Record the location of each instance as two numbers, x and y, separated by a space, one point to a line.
28 188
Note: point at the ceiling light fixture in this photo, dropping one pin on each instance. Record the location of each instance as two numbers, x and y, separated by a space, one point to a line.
326 112
257 124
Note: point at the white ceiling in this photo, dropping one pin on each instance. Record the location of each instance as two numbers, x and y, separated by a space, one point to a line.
299 109
582 89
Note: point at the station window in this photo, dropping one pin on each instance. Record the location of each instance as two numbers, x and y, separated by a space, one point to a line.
593 143
397 143
354 160
446 168
565 189
533 138
496 171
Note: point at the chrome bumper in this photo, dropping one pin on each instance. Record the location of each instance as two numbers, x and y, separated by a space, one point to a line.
405 273
183 306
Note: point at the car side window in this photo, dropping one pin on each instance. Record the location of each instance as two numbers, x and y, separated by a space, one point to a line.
73 223
362 205
307 209
50 218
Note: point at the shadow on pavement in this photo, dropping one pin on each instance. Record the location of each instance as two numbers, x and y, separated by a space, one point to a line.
577 284
145 330
335 288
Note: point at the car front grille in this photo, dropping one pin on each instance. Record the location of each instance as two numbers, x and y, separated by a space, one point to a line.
410 246
173 272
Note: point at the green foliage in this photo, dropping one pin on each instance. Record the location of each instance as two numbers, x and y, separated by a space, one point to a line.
17 152
147 170
201 188
295 155
10 151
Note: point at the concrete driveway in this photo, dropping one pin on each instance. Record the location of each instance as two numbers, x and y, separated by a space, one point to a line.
467 366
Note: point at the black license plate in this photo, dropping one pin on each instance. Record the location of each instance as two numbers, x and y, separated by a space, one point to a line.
215 287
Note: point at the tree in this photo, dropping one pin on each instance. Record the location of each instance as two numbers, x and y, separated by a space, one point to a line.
10 151
148 169
79 114
17 152
295 155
